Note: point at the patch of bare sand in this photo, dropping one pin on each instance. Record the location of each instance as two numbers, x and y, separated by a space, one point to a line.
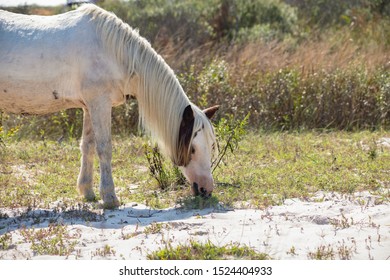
334 225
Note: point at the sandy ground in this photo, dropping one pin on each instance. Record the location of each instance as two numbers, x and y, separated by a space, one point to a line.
339 226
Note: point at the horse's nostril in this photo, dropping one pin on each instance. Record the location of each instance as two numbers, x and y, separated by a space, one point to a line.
204 194
195 189
200 191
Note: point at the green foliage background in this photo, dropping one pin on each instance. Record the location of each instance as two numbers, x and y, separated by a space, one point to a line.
293 64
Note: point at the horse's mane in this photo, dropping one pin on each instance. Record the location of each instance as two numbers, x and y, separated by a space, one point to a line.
161 99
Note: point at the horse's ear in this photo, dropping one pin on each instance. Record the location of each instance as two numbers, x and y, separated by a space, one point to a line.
185 132
210 112
188 115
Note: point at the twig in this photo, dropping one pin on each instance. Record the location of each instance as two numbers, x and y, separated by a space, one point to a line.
221 156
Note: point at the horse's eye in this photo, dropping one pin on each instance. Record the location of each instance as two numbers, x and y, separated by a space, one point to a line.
192 150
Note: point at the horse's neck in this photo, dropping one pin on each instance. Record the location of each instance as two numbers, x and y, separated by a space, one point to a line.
161 102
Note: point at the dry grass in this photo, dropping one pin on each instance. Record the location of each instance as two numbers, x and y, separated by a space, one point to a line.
309 56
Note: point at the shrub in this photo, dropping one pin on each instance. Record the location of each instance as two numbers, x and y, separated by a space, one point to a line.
161 170
289 98
163 22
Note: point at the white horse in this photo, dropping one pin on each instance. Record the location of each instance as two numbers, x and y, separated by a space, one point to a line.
90 59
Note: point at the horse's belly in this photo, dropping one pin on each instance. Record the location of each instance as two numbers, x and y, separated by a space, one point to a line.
30 98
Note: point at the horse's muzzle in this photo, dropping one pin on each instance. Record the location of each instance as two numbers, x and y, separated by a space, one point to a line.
200 191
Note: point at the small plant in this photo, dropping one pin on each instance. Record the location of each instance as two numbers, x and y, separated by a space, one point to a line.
230 132
342 223
326 252
159 170
54 240
206 251
156 168
292 251
373 151
322 253
155 228
198 202
345 252
104 252
5 241
126 236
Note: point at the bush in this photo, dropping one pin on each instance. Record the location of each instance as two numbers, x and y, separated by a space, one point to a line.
293 99
183 22
264 19
191 23
323 14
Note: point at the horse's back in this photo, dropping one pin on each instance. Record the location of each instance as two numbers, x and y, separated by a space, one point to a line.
28 42
42 60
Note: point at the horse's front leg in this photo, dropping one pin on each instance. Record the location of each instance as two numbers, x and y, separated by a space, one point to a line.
87 147
100 113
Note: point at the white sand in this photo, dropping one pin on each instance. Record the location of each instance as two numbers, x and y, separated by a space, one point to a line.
345 226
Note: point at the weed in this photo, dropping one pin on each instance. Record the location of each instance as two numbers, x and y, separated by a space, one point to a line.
322 253
344 252
373 151
126 236
198 202
103 252
292 251
54 240
230 132
156 168
206 251
327 252
166 175
342 223
155 228
5 241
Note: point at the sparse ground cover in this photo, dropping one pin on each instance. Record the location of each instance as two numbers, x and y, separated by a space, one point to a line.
326 226
265 170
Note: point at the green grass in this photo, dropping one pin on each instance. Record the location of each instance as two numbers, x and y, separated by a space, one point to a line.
265 170
273 167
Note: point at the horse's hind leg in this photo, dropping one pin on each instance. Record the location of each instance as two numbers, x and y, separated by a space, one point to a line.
85 179
100 112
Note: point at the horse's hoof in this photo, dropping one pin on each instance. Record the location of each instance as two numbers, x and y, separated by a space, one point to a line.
110 202
88 194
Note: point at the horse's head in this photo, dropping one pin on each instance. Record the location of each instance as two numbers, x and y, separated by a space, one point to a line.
196 146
